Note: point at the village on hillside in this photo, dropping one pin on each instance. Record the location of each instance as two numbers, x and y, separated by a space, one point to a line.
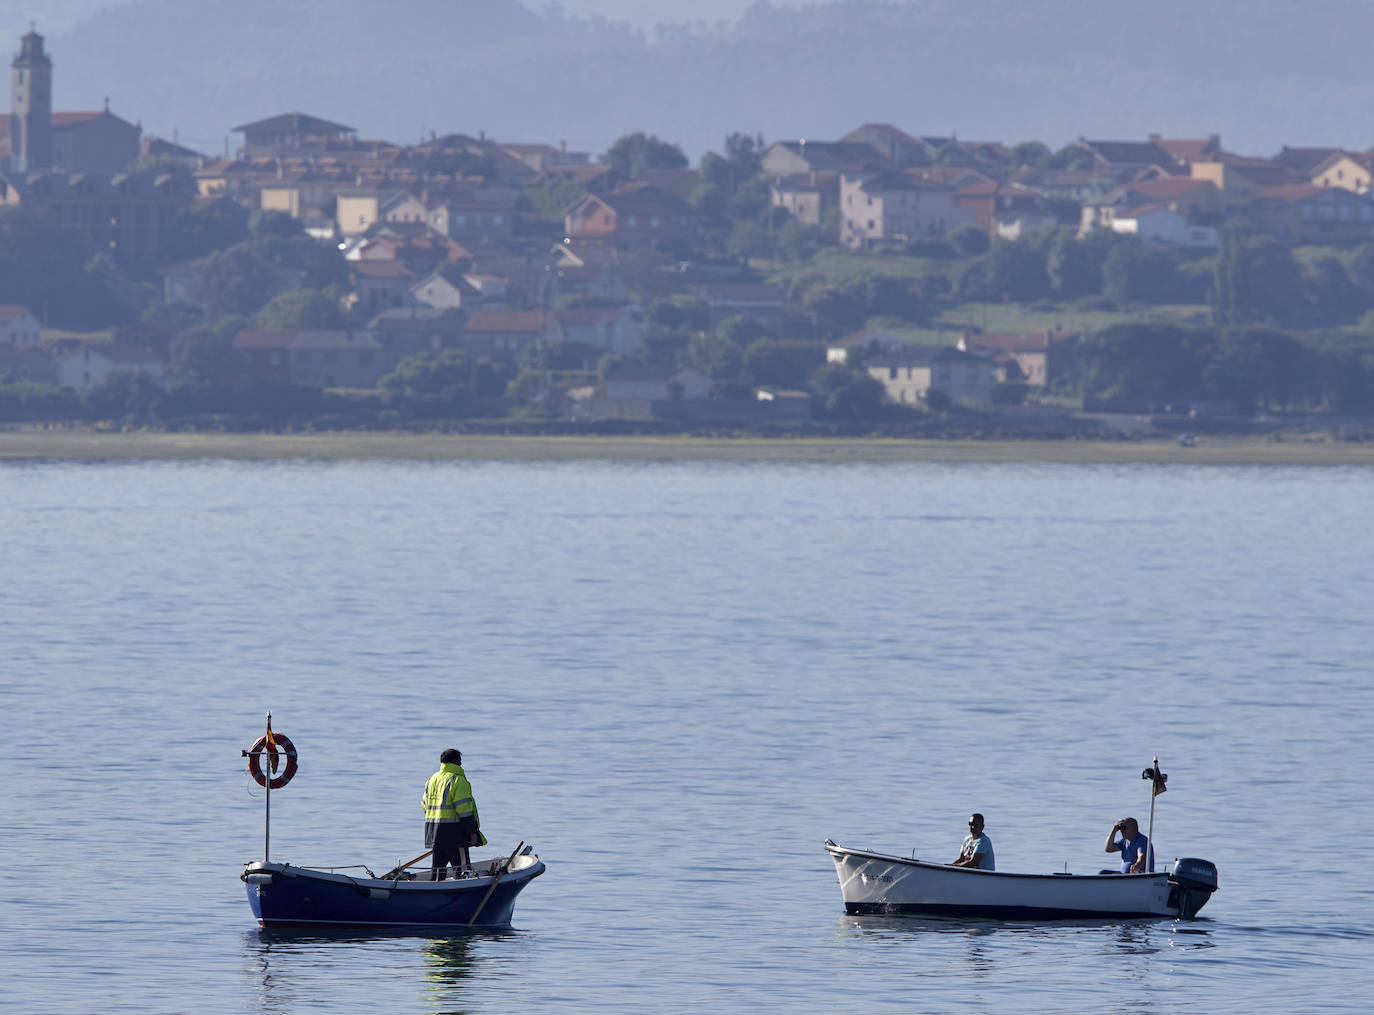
879 278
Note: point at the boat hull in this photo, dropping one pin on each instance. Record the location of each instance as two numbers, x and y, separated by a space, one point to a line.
286 896
877 883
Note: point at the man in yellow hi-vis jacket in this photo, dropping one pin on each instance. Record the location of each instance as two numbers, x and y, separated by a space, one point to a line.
451 823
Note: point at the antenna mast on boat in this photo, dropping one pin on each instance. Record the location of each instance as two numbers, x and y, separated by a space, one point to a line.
271 746
1157 781
267 802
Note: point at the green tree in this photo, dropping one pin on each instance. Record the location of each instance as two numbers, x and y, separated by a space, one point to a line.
233 281
845 394
1145 363
710 199
1031 153
663 346
783 362
263 224
749 240
741 329
1070 267
970 241
751 202
744 152
1136 271
202 229
449 383
1016 271
798 242
715 355
313 309
123 394
1256 279
204 356
634 153
547 201
1264 368
1330 294
323 264
833 309
1072 156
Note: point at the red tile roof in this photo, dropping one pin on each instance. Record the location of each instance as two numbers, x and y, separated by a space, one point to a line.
11 312
1295 192
509 320
380 269
257 339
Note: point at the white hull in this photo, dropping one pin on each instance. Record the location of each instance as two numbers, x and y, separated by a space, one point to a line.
878 883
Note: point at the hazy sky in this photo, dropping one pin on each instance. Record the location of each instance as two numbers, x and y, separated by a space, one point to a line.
647 13
55 16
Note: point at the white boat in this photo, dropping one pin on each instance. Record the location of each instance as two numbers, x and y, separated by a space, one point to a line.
878 883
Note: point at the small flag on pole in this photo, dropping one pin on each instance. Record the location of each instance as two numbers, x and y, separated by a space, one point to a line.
271 747
1157 781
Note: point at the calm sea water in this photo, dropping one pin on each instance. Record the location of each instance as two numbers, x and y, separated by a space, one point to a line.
676 680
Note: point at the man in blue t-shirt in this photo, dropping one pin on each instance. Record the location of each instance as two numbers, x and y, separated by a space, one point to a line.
1137 855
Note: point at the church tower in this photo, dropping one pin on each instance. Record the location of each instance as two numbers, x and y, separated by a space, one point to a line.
31 105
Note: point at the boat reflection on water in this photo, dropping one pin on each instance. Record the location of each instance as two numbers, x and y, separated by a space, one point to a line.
448 968
1130 937
286 966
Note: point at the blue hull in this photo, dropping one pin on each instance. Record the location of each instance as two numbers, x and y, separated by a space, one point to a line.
283 896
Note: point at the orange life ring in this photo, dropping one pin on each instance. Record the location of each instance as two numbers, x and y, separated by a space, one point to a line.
256 752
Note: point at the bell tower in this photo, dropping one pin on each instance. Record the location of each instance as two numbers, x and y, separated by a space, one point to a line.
31 105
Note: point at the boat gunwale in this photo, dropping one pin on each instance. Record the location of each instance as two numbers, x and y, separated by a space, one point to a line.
835 850
448 885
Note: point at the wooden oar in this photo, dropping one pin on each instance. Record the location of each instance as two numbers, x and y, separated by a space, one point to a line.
395 871
494 881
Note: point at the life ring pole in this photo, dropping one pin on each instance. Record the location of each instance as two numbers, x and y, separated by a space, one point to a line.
267 806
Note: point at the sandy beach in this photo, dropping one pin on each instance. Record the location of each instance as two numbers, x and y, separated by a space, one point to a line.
78 445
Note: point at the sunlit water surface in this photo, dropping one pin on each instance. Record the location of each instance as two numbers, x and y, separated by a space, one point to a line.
676 680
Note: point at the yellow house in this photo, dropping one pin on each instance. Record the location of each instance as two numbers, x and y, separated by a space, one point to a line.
1349 172
357 210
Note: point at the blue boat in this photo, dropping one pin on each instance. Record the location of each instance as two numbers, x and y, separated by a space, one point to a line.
480 894
283 895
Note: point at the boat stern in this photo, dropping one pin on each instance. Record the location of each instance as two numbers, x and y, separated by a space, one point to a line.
1191 884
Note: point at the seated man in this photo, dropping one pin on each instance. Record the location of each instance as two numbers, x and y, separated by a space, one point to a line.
1137 855
976 850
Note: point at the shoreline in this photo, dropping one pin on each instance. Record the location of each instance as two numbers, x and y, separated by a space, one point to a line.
89 445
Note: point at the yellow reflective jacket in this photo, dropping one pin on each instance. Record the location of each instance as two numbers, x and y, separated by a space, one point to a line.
448 799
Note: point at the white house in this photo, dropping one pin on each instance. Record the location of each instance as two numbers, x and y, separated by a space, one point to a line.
868 342
909 375
1159 224
888 206
18 326
440 291
650 382
86 367
614 329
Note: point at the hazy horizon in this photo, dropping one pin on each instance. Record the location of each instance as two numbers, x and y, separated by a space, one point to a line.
1261 75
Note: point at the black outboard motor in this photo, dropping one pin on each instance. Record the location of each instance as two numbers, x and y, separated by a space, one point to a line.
1191 884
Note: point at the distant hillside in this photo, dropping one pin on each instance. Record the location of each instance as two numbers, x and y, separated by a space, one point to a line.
1261 73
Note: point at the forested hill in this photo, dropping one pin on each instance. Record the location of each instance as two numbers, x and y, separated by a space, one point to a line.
1261 73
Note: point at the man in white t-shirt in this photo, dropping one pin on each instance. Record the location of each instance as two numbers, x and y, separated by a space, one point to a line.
977 848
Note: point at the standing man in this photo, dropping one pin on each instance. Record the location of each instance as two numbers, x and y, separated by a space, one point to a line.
1137 855
451 823
976 851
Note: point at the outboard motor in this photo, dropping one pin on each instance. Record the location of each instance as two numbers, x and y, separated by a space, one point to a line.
1191 884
